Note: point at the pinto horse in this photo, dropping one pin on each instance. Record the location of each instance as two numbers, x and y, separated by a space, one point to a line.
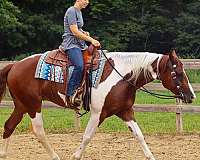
113 96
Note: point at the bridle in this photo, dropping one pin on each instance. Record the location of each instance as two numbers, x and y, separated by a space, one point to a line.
161 96
174 77
176 81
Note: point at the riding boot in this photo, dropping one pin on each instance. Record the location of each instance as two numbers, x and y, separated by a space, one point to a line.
74 100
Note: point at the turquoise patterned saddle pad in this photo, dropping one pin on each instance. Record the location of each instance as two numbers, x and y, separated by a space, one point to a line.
46 71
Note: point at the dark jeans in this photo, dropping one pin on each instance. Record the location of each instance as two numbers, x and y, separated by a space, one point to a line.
76 58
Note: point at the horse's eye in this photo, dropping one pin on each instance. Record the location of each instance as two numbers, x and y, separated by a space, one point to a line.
180 75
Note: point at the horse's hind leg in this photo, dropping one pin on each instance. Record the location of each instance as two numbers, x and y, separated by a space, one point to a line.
9 127
38 130
127 117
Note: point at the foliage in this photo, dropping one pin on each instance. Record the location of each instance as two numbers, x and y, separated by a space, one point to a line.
8 14
189 30
32 26
9 22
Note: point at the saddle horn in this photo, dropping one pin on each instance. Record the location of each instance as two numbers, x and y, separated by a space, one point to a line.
92 49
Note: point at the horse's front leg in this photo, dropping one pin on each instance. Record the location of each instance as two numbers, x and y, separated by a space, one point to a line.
89 133
135 129
38 130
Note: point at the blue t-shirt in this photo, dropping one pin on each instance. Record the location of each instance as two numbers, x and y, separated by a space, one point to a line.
72 16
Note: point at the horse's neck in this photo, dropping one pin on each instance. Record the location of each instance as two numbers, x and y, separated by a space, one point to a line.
162 67
142 74
142 80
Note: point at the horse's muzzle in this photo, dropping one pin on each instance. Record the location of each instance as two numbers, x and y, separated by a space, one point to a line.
188 98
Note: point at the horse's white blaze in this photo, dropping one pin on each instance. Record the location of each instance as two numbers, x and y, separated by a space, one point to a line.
190 86
32 56
138 134
38 129
191 89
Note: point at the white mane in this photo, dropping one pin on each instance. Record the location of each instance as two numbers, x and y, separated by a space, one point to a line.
136 62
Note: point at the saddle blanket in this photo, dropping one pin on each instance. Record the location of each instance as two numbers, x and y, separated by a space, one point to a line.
46 71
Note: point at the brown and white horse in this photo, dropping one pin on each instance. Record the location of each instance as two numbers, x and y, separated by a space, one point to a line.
113 96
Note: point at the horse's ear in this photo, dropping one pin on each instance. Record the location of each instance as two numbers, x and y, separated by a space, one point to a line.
172 54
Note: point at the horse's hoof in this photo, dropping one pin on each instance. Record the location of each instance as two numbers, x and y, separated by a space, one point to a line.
151 158
3 155
56 157
74 157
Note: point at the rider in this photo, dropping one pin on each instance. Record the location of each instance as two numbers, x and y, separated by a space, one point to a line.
74 42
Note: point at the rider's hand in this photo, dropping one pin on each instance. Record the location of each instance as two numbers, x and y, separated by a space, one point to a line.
96 43
86 33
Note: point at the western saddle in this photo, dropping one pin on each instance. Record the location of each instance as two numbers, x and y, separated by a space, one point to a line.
91 62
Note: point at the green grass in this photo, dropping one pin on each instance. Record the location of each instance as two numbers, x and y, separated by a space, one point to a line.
58 120
193 75
62 121
144 98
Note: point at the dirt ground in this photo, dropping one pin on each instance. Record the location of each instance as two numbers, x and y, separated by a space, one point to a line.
104 146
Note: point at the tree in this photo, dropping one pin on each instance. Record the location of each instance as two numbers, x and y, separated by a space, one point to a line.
8 14
9 22
188 38
34 26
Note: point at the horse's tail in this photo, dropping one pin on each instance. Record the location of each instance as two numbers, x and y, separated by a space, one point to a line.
3 79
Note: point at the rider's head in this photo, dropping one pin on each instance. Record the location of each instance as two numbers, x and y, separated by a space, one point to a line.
81 3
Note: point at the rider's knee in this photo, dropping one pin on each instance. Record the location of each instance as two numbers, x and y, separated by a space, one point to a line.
80 67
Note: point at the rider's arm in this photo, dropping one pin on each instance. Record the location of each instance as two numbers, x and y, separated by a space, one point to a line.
80 35
85 32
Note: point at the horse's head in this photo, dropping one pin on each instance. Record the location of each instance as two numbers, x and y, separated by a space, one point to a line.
174 78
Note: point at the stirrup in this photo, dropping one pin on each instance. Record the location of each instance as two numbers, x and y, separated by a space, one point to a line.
73 101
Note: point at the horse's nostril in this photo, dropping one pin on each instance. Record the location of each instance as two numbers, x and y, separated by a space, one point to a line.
193 97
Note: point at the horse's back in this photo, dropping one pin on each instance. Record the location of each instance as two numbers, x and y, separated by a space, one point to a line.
24 68
21 76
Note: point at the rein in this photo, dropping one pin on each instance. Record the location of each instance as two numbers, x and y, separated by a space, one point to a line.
161 96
